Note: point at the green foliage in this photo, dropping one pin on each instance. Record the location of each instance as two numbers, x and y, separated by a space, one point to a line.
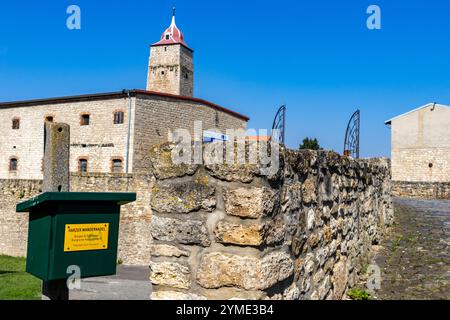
357 294
15 283
119 261
310 144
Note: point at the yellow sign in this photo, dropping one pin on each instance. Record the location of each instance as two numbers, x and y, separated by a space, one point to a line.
83 237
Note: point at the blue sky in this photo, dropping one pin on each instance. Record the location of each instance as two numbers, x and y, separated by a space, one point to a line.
318 57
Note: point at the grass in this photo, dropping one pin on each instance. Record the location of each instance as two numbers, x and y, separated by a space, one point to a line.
356 294
15 283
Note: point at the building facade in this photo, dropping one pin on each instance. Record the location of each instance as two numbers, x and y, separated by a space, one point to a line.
420 149
112 132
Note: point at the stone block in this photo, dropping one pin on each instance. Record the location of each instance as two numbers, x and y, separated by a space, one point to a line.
232 233
163 166
182 197
339 279
250 202
170 274
251 273
181 231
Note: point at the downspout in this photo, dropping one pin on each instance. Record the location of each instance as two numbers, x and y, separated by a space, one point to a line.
128 92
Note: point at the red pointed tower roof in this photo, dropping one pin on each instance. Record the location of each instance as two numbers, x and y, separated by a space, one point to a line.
172 35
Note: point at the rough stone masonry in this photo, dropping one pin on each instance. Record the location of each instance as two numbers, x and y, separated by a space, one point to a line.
227 232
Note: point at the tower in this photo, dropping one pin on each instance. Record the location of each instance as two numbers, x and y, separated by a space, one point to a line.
171 68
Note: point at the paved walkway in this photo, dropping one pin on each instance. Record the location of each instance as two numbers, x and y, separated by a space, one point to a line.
130 283
415 260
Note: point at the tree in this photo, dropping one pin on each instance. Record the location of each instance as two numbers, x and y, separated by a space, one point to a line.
310 144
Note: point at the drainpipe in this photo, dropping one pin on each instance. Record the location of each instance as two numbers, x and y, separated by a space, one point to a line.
128 92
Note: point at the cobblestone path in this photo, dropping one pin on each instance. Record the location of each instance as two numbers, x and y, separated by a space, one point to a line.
415 259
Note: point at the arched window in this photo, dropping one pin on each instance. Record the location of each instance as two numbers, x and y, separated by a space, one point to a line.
118 117
82 165
15 123
116 165
13 164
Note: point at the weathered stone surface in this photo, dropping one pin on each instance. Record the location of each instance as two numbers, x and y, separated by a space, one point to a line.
275 231
164 250
181 231
250 235
251 273
163 167
183 197
250 202
243 173
175 295
309 190
339 279
170 274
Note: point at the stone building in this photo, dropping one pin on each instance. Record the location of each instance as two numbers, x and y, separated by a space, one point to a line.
112 132
420 147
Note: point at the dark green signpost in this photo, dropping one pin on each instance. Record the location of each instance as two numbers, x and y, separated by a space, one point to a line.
73 229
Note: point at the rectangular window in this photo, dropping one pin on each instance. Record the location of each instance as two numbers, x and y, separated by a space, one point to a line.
82 165
84 120
118 117
13 164
16 123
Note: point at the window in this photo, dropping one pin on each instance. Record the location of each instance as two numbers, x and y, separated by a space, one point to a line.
13 164
49 118
162 72
118 117
82 165
84 121
16 123
167 36
117 166
186 76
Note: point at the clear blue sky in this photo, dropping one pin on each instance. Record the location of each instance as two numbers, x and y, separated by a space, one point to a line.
318 57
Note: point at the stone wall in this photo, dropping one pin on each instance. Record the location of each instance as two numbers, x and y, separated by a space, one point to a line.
134 237
223 232
421 190
13 225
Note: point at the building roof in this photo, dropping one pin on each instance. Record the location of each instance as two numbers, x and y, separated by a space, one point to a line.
428 105
118 94
172 35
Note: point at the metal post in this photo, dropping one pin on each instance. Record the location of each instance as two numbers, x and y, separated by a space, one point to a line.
56 179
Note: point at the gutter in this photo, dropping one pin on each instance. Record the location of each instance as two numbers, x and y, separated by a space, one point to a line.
127 155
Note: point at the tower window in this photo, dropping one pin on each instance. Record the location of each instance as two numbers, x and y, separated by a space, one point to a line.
167 36
84 120
118 117
13 164
117 166
186 76
82 165
16 123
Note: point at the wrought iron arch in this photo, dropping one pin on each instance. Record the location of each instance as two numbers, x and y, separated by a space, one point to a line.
279 125
351 143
